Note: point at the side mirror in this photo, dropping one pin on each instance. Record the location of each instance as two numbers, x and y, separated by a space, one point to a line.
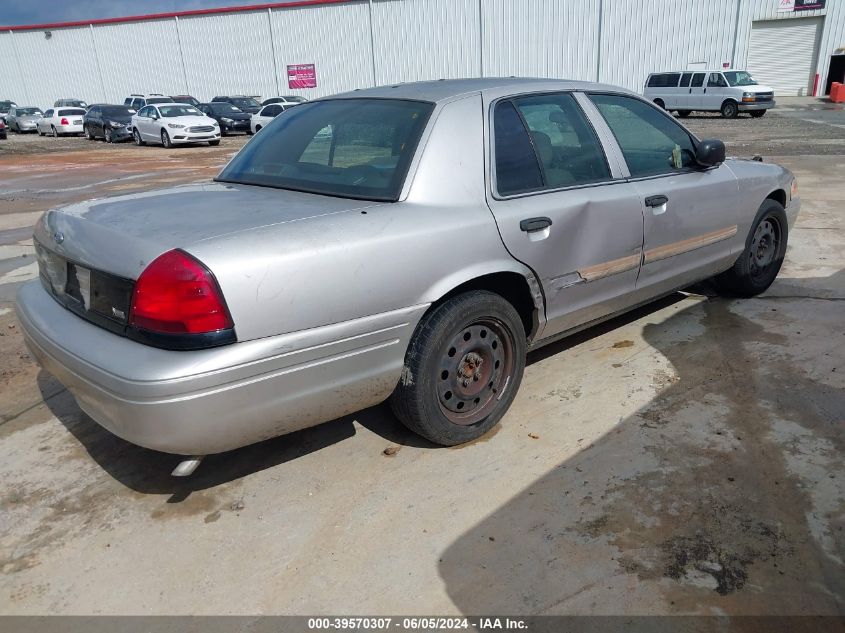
710 152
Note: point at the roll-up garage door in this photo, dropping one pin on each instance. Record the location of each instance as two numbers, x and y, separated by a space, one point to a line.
782 54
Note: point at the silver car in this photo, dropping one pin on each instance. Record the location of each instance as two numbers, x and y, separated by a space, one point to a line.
407 242
23 119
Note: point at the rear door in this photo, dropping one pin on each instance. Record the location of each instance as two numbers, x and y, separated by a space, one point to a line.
696 91
562 207
690 213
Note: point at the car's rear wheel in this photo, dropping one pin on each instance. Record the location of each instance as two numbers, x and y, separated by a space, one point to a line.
684 113
729 109
757 113
137 136
165 140
762 257
659 103
463 367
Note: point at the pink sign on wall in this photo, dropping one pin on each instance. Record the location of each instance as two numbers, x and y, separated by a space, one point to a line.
302 76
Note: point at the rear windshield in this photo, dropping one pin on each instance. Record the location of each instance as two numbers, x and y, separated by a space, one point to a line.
739 78
178 110
353 148
159 100
117 111
71 111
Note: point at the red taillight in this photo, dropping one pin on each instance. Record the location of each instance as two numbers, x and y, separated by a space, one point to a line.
64 122
177 294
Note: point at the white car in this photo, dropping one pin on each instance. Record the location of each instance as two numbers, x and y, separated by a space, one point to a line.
174 123
59 121
267 114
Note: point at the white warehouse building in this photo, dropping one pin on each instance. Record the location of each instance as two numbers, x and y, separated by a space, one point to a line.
796 46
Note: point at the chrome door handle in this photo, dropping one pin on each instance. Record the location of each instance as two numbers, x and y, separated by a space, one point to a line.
656 201
535 224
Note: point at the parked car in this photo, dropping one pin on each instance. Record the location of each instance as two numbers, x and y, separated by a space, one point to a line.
246 104
293 99
5 106
727 91
267 114
60 122
70 103
415 253
138 101
230 118
23 119
110 122
185 99
173 124
3 130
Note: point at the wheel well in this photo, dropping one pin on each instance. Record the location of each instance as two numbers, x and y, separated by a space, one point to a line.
511 286
778 195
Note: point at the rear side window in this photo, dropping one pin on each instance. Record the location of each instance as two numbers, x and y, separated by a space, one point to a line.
697 80
517 169
650 141
685 79
566 146
664 80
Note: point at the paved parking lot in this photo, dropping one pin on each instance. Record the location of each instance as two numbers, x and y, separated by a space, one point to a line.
686 458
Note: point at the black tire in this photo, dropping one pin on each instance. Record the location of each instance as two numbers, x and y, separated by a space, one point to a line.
757 113
463 367
165 140
137 136
761 259
54 131
729 109
659 103
684 113
214 142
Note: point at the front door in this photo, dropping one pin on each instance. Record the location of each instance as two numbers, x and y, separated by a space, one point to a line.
690 213
562 209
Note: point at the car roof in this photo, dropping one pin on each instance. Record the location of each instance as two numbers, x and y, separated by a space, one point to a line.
448 89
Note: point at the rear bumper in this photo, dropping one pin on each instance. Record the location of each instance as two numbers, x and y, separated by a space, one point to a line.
762 105
209 401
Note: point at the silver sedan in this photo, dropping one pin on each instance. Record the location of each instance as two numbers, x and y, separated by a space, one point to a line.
408 243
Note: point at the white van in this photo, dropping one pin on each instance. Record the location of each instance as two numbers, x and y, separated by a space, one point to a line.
727 91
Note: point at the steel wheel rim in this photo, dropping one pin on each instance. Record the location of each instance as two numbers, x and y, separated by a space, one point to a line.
765 245
474 371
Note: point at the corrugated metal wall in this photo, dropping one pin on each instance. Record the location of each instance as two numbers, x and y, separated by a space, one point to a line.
358 44
426 39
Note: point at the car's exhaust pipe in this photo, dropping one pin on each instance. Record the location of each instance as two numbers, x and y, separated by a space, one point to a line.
186 467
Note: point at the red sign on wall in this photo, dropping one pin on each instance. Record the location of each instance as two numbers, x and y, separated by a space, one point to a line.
302 76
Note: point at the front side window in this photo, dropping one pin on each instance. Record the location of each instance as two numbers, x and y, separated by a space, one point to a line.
650 141
566 146
716 81
354 148
697 80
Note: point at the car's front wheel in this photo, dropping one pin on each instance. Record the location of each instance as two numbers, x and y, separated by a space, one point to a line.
762 257
137 136
729 109
463 367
